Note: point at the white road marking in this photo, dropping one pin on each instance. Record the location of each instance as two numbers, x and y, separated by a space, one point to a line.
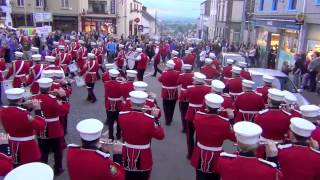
148 74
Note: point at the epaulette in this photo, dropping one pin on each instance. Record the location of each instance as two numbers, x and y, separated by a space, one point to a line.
151 100
263 111
105 155
258 93
123 112
21 108
285 146
73 146
190 86
5 106
226 119
199 112
314 150
224 154
272 164
52 96
148 115
259 87
286 112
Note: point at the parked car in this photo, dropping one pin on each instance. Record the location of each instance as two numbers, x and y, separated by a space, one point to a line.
234 56
281 81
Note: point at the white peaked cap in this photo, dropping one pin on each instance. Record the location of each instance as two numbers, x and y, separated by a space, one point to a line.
93 43
275 94
91 55
170 64
310 110
18 54
243 64
213 100
187 51
61 46
199 77
236 69
230 61
72 37
140 86
131 73
31 171
90 129
267 79
47 73
34 49
187 66
113 73
191 49
247 132
121 46
247 83
208 61
58 73
36 57
289 97
55 43
138 97
45 82
109 66
81 41
174 52
14 93
217 85
212 55
50 58
301 127
67 41
139 50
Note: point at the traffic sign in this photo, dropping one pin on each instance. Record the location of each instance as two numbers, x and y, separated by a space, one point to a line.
140 28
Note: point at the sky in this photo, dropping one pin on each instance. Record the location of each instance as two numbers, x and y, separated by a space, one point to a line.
173 8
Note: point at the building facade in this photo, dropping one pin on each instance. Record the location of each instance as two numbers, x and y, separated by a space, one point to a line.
287 26
148 23
203 23
5 13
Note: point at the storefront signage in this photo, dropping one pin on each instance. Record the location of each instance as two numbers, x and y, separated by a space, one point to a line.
277 24
42 17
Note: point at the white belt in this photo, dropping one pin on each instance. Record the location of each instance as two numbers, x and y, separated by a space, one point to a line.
92 73
19 75
265 139
195 105
114 99
248 112
52 119
207 148
183 89
21 139
132 146
166 87
234 94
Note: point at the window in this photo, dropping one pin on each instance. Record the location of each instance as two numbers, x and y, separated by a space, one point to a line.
39 3
274 5
317 2
130 7
65 3
113 7
3 3
20 3
292 5
261 5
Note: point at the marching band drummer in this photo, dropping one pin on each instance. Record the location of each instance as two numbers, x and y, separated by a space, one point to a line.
127 86
227 70
227 107
35 73
244 74
234 84
268 80
209 70
105 75
19 69
63 60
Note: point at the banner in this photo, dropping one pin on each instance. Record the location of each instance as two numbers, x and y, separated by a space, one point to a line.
42 17
44 30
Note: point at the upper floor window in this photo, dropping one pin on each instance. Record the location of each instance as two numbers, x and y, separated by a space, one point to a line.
65 3
20 3
274 5
3 3
113 6
292 5
261 5
39 3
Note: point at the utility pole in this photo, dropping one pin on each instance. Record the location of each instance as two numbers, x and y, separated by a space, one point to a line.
243 22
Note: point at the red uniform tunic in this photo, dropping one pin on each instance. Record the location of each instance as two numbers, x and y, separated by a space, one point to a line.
55 52
227 71
5 165
216 63
189 59
120 58
126 88
150 103
51 111
65 100
74 46
137 131
236 167
105 77
53 67
84 164
82 57
2 68
24 148
264 91
234 86
210 72
211 131
20 70
90 70
63 60
247 105
195 96
34 75
299 162
169 84
98 53
228 102
316 134
178 63
143 62
245 75
113 96
185 80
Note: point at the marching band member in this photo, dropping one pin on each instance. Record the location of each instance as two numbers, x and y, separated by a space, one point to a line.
21 127
211 131
244 74
105 75
169 92
156 59
142 62
127 87
74 46
120 57
185 79
195 96
80 158
264 89
5 165
63 60
189 58
90 70
19 69
234 85
227 106
311 113
56 49
290 104
209 70
82 54
177 61
35 50
138 129
236 167
34 171
227 70
130 57
215 61
35 73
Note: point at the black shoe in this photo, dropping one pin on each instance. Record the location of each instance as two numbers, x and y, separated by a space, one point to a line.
183 131
168 124
58 172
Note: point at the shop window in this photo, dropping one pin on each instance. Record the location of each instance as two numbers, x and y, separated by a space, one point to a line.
274 5
292 5
261 5
20 3
317 2
65 3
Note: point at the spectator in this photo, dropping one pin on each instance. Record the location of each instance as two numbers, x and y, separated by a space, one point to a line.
202 57
299 68
313 70
252 56
286 68
111 48
36 41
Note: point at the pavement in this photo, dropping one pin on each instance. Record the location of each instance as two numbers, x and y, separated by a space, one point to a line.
169 155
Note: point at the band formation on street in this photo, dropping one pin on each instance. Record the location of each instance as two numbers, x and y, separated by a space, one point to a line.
275 138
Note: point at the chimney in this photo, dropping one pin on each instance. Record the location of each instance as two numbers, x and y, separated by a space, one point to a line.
144 8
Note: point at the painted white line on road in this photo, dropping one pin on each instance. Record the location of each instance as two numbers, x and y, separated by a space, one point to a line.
148 74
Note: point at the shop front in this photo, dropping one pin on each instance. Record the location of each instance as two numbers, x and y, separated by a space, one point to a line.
277 41
102 24
65 23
